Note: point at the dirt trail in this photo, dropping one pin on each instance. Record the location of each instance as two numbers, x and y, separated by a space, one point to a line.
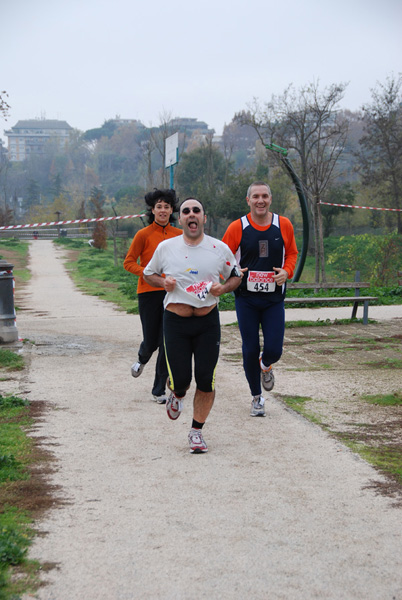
276 509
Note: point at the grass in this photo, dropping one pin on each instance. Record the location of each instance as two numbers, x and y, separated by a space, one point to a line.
17 246
94 273
18 574
387 457
323 323
394 399
15 252
386 363
299 405
10 360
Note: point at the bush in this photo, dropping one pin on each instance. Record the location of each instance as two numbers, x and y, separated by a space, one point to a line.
378 258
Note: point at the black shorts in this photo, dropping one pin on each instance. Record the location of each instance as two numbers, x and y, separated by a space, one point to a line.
188 336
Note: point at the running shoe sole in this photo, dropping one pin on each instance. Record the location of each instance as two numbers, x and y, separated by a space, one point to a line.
174 406
257 414
257 409
136 369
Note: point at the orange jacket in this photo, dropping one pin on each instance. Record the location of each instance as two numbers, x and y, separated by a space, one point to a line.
143 247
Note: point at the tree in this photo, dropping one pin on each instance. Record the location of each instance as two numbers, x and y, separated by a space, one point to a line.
158 136
201 174
238 144
307 122
117 159
147 148
33 193
233 204
6 216
56 186
4 168
60 209
4 106
337 194
100 233
107 130
381 144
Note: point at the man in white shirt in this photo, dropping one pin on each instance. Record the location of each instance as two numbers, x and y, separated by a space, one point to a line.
194 269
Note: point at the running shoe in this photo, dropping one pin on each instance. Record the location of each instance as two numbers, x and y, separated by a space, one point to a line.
267 377
160 399
197 442
257 407
137 368
174 406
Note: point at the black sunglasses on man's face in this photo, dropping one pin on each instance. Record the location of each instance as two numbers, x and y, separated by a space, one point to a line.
186 210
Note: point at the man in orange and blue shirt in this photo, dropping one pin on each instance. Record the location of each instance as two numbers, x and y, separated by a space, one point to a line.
264 244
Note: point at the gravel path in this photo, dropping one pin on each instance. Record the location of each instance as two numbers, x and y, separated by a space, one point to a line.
276 510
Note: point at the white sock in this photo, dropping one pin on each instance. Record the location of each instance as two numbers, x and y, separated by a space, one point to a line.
263 367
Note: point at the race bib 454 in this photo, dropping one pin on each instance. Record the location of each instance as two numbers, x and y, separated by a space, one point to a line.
261 281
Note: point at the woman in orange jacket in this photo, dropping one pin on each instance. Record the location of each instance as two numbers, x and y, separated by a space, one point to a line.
162 204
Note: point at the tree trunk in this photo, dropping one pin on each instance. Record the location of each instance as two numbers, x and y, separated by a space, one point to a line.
316 246
321 243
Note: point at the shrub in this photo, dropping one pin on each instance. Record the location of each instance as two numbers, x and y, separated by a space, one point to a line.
378 258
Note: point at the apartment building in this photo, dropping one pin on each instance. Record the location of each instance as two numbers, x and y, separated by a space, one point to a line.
30 137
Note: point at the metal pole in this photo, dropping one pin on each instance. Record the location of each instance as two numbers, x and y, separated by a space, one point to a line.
8 329
303 205
306 226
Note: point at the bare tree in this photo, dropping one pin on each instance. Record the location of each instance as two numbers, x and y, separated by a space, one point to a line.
158 137
100 231
308 123
381 144
4 106
147 147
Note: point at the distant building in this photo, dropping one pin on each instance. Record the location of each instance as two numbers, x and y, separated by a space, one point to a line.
190 124
29 137
192 133
119 121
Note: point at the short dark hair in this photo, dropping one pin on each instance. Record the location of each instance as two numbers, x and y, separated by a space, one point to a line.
192 198
168 196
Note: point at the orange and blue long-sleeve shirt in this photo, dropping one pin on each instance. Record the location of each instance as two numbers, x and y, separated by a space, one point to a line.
260 248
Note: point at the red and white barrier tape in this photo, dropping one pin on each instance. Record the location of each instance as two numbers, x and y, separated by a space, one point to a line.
354 206
69 222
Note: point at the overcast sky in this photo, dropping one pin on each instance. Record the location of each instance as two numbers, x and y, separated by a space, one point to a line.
85 61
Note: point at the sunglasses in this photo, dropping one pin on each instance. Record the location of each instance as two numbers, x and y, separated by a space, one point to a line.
186 210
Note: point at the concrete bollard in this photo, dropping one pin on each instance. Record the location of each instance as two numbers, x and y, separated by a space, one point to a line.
8 328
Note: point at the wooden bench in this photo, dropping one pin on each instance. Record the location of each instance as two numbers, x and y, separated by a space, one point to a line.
356 299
